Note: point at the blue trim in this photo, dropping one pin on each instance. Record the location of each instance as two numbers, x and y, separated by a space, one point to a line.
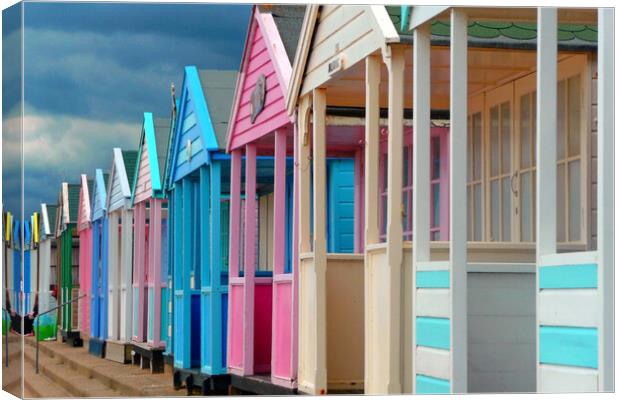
99 193
568 276
151 145
201 109
404 21
433 279
572 346
430 385
432 332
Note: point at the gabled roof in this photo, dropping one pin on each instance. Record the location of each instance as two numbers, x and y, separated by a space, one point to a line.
85 199
73 199
155 132
48 219
124 164
278 28
98 197
130 161
170 153
377 17
210 92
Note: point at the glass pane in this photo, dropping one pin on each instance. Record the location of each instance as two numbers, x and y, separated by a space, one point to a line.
495 210
525 131
436 208
561 136
506 209
406 166
435 236
477 131
506 133
574 115
478 213
561 204
526 212
574 176
436 156
494 141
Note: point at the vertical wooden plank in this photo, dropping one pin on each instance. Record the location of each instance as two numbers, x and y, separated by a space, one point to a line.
94 321
103 304
279 202
371 202
421 162
546 150
319 234
113 276
395 62
458 198
204 219
215 263
605 195
249 262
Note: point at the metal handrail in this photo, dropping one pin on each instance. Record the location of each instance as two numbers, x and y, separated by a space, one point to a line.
36 336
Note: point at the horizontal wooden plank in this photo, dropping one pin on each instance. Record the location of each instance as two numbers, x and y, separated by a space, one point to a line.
568 276
433 279
432 266
570 346
432 362
433 332
554 379
429 385
570 307
433 303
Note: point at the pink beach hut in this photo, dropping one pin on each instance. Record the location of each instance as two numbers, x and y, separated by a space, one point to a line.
84 229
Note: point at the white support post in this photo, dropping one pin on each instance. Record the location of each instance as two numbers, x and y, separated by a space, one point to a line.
126 271
304 245
320 242
371 215
394 59
546 126
371 176
113 276
605 196
458 199
421 163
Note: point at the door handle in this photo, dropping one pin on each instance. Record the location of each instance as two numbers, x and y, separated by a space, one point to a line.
513 179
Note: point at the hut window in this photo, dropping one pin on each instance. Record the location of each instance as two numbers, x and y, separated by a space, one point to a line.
474 177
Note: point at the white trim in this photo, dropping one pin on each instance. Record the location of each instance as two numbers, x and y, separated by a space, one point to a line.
557 379
46 222
384 24
506 268
431 266
423 14
458 194
605 195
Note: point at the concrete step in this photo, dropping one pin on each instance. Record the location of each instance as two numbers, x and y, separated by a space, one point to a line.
72 382
125 379
39 385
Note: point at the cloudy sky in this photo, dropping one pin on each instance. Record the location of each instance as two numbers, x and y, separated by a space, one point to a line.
90 71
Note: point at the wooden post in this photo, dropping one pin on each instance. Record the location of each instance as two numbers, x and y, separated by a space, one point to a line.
235 223
359 201
395 62
605 195
249 262
421 164
458 199
206 300
371 202
113 276
319 233
546 125
371 176
215 264
279 202
126 271
304 176
295 252
187 246
155 261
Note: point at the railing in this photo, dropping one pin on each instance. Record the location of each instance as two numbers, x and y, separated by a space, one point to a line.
36 337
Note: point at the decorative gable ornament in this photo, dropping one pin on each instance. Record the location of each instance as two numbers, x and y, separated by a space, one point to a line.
257 99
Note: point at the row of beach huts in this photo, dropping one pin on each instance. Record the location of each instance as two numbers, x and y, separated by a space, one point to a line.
381 200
